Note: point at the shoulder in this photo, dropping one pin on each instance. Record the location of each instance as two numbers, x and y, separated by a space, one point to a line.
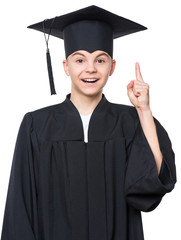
127 118
40 117
46 111
125 111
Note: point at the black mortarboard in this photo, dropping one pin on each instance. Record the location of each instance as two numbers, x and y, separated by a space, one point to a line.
91 28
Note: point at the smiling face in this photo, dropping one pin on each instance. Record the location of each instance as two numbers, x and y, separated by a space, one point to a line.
89 72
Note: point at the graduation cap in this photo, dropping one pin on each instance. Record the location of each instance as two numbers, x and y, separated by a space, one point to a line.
91 28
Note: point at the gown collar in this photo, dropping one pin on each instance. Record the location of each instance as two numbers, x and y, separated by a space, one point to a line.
74 131
69 102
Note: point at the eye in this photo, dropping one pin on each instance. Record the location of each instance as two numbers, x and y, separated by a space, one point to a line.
100 61
79 60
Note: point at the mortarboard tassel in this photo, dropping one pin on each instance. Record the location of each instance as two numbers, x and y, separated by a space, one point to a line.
50 72
49 64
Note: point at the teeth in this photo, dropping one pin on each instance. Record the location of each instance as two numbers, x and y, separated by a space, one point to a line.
90 80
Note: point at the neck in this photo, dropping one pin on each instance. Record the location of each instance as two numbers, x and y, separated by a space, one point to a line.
85 104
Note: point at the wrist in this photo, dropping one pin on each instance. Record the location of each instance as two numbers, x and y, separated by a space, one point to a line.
144 111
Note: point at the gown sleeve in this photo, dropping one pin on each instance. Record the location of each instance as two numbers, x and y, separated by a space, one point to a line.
20 215
144 188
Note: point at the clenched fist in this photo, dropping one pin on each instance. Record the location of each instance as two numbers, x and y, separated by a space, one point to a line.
138 91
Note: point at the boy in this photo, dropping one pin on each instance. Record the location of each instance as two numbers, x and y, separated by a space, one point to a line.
85 168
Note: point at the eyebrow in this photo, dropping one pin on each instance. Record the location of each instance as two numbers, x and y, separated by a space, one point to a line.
77 53
105 54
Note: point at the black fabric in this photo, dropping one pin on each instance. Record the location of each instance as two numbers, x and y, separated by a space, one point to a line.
63 188
89 36
119 27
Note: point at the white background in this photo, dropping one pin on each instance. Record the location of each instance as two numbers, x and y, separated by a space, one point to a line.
24 83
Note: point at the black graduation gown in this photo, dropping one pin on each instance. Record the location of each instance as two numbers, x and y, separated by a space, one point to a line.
62 188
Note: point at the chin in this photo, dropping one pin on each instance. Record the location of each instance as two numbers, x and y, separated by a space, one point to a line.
92 93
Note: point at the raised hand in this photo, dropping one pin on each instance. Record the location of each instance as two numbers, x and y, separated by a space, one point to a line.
138 91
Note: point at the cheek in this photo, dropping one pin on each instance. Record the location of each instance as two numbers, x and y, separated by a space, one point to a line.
75 70
105 71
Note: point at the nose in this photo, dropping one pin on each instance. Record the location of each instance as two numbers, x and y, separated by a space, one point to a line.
91 67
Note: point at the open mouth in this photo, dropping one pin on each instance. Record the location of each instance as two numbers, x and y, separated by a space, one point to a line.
90 80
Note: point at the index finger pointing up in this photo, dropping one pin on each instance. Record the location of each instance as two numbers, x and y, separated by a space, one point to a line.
138 73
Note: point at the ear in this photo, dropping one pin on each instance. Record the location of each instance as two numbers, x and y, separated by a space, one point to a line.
65 66
112 67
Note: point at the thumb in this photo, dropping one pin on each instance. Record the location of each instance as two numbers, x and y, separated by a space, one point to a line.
130 85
